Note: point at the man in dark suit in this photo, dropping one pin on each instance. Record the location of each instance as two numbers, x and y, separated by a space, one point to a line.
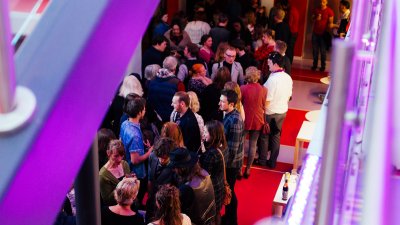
242 57
156 53
282 29
220 33
186 120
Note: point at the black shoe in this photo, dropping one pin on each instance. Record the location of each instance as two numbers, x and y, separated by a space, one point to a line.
255 162
313 68
262 163
239 175
271 165
322 69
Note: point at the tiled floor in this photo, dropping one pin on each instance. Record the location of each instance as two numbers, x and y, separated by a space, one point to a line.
305 95
306 63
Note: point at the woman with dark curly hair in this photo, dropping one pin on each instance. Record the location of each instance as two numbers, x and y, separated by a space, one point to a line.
206 53
177 37
169 207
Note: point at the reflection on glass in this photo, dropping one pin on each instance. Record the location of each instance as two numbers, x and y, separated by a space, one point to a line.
24 15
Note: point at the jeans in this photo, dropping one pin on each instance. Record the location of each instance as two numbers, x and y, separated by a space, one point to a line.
271 141
230 217
318 46
253 137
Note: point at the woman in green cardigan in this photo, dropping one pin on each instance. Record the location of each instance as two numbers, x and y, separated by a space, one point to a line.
113 171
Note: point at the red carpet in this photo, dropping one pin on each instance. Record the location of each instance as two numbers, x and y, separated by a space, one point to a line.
256 194
291 126
307 75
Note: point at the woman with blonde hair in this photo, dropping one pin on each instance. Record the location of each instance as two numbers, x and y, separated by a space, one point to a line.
238 106
113 171
169 207
112 120
130 85
121 214
172 130
195 107
253 99
220 53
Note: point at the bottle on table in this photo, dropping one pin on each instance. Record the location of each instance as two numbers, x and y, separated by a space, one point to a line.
285 190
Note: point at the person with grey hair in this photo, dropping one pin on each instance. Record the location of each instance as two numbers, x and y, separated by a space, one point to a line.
150 71
125 194
162 88
170 63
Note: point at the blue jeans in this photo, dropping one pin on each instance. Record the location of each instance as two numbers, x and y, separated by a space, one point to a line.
271 141
318 46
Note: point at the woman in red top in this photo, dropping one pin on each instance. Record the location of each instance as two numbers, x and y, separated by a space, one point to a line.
253 98
261 54
206 53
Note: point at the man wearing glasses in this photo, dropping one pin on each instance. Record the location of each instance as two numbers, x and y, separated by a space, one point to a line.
229 62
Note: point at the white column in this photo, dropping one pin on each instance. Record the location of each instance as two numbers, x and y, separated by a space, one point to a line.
7 71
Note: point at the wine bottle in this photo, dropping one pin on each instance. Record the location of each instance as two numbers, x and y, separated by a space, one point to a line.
285 190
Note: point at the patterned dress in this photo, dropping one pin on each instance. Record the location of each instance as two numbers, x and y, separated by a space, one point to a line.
212 162
197 86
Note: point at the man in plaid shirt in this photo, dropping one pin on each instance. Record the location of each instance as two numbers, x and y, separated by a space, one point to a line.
233 126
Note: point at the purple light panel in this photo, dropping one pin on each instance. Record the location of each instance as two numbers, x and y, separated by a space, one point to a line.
39 187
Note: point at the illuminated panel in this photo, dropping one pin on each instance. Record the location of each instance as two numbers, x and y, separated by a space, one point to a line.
303 190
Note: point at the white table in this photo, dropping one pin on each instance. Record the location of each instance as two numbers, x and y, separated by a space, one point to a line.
278 204
325 80
313 115
305 134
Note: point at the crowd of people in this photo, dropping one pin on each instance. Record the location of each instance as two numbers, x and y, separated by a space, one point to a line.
172 142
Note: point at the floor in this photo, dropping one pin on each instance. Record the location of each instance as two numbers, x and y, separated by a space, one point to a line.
256 194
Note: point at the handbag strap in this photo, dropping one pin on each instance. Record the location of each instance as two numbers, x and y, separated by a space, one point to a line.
223 162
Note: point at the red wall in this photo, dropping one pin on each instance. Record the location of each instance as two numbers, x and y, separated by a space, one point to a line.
301 6
26 5
172 8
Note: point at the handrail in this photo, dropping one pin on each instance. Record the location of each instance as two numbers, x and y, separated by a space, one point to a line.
7 68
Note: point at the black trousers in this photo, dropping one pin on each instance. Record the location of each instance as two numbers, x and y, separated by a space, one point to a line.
230 217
